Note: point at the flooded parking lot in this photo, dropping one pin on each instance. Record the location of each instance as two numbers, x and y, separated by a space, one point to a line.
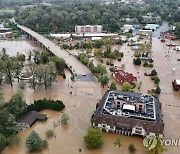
81 104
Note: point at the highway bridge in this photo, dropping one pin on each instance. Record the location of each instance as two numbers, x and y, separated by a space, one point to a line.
80 71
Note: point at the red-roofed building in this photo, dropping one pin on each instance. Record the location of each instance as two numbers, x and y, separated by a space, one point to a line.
169 36
122 77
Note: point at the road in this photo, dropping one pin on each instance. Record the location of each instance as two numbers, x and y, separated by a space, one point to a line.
77 67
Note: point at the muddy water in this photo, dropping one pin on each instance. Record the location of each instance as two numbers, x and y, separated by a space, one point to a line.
13 47
170 100
81 104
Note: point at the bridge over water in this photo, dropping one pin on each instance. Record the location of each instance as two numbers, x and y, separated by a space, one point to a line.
81 72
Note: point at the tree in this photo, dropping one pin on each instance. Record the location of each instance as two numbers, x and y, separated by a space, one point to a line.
159 149
3 142
32 66
93 138
14 140
103 79
8 65
46 74
101 69
113 86
126 86
64 118
153 72
44 57
59 63
117 142
33 142
17 104
132 148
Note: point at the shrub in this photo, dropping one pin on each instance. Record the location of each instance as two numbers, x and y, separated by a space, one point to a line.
137 61
126 86
40 105
150 65
113 86
153 73
156 80
64 118
145 64
145 74
44 144
132 148
119 59
107 62
49 133
112 69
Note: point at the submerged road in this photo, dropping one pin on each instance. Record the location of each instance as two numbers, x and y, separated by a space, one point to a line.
81 72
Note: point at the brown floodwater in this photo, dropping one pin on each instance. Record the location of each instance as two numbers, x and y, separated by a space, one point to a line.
81 104
21 46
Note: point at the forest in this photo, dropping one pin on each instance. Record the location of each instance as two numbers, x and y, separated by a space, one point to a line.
63 18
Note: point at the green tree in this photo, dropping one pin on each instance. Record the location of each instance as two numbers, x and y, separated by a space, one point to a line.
14 140
8 65
126 86
93 138
101 69
113 86
117 142
17 104
103 79
159 149
32 66
64 118
59 63
46 74
33 142
132 148
3 141
44 57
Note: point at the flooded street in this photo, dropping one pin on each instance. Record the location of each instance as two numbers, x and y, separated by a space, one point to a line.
81 104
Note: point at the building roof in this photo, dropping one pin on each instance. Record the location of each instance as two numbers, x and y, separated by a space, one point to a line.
122 76
31 117
152 26
128 107
178 82
169 36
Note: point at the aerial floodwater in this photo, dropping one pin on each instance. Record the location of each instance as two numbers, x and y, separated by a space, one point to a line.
20 46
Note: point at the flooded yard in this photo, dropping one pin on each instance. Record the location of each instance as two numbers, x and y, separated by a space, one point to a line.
81 105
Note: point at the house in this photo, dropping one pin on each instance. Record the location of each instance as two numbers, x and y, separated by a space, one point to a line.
129 113
122 77
176 85
30 118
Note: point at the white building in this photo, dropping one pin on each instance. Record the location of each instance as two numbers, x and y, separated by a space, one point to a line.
88 29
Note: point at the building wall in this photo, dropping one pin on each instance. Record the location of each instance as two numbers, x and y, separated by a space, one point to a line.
88 29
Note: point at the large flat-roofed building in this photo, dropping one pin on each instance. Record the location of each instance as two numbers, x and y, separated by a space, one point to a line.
129 113
88 29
